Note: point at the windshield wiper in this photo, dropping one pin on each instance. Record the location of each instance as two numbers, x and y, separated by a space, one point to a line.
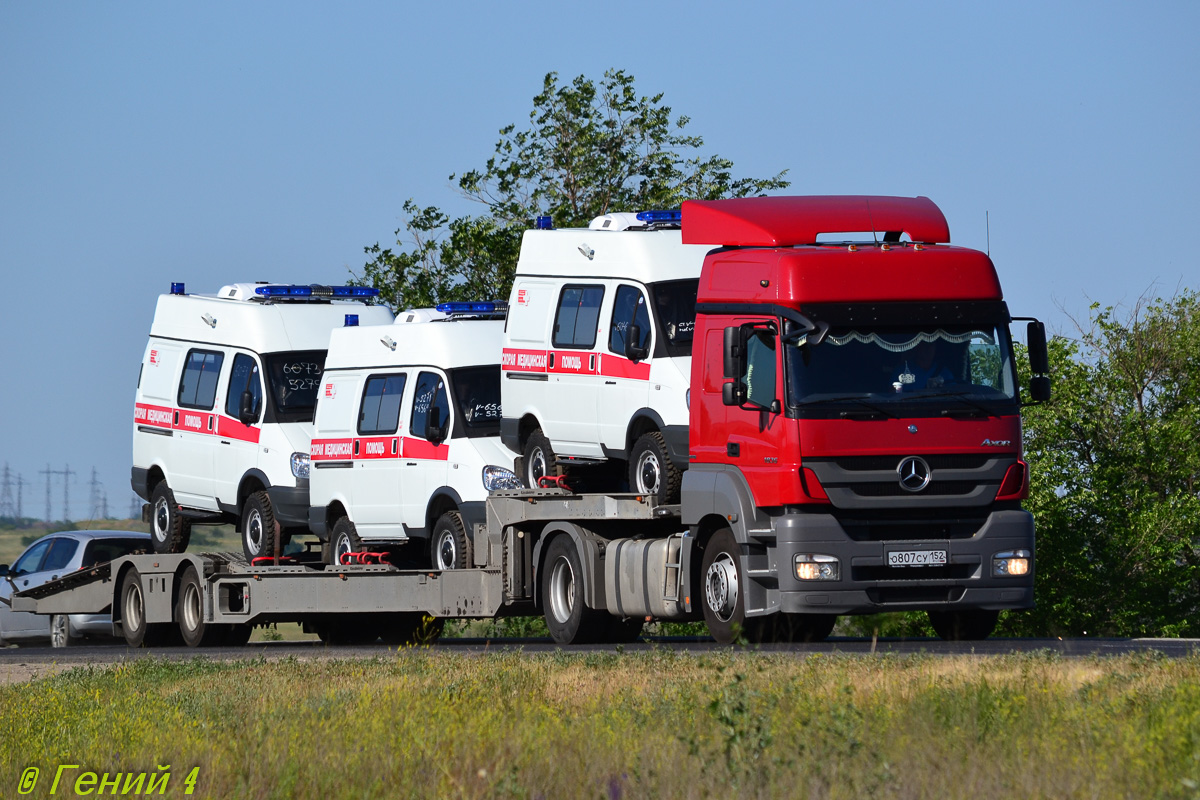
874 409
976 408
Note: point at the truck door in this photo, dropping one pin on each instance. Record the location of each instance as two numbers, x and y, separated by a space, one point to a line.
195 429
572 389
753 430
377 476
626 384
237 441
425 460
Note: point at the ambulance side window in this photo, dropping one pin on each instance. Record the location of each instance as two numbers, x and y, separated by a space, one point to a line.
380 412
629 308
429 399
243 378
198 386
577 317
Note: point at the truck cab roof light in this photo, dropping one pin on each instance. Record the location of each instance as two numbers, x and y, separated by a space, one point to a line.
668 217
177 288
316 290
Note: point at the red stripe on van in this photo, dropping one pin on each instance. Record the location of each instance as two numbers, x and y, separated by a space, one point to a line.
523 360
331 450
376 447
230 428
420 448
574 362
153 416
616 367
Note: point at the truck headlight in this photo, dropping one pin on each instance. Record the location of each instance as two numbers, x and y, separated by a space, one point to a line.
817 567
300 465
500 478
1011 563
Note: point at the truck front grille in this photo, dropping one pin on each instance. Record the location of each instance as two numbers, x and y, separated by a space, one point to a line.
901 525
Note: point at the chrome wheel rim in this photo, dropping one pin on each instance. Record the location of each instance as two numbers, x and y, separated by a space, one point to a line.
254 532
537 467
190 607
59 630
447 552
649 472
721 587
341 546
133 607
562 590
162 519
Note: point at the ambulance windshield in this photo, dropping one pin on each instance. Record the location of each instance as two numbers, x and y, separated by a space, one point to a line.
675 312
477 395
294 378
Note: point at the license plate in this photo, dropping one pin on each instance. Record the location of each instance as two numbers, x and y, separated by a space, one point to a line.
916 558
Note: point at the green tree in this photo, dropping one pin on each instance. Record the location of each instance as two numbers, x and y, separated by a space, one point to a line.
1115 466
591 148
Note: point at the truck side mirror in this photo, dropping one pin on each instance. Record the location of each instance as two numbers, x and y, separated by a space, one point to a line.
731 352
1039 388
247 413
633 335
1039 355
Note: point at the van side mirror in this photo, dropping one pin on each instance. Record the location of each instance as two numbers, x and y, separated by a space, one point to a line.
434 432
247 413
633 335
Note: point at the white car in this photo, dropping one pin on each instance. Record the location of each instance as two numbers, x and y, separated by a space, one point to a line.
51 557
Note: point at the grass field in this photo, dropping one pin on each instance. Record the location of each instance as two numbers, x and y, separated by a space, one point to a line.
422 724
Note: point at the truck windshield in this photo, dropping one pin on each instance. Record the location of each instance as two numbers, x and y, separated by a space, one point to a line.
675 314
294 378
477 397
941 369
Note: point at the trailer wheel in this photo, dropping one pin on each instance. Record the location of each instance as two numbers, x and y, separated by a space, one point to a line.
259 527
139 632
724 595
344 539
567 615
412 629
540 461
169 530
963 626
651 470
450 546
61 634
189 614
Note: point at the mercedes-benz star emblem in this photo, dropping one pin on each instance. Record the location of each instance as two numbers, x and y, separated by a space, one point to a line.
914 474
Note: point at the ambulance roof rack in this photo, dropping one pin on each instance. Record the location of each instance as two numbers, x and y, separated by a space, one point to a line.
496 309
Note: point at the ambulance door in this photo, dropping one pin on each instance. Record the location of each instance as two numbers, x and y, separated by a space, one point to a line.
154 411
626 379
331 451
573 384
195 425
237 437
377 474
425 459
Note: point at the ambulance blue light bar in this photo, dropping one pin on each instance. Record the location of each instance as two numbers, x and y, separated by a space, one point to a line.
316 290
661 216
545 223
177 288
351 321
495 307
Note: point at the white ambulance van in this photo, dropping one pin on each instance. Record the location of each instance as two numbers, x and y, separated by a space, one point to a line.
597 349
406 443
224 407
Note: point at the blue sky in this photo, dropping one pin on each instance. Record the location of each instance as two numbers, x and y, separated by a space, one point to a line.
144 143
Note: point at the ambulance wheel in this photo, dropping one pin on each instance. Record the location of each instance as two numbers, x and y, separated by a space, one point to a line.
259 527
138 632
169 530
540 461
189 613
450 545
963 626
651 470
724 593
344 539
567 616
413 629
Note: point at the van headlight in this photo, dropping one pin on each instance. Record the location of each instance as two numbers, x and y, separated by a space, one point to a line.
500 478
300 465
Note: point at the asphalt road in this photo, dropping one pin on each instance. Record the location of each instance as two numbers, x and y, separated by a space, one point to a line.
1070 648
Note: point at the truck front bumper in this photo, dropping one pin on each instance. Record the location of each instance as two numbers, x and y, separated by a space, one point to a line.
866 584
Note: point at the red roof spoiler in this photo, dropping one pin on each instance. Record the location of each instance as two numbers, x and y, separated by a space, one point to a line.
786 221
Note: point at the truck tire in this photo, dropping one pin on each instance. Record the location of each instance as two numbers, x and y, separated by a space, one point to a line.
259 527
235 635
963 626
780 627
412 629
450 546
567 616
61 634
138 632
624 631
343 630
189 613
343 539
169 530
651 470
539 459
724 592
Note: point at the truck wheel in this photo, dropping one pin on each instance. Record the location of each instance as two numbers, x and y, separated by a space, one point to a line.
780 627
624 631
450 546
963 626
189 613
235 635
412 629
567 615
61 634
344 539
651 470
139 632
259 527
540 461
169 530
348 629
724 595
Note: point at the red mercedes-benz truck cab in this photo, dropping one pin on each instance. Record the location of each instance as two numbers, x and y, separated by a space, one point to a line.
855 438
